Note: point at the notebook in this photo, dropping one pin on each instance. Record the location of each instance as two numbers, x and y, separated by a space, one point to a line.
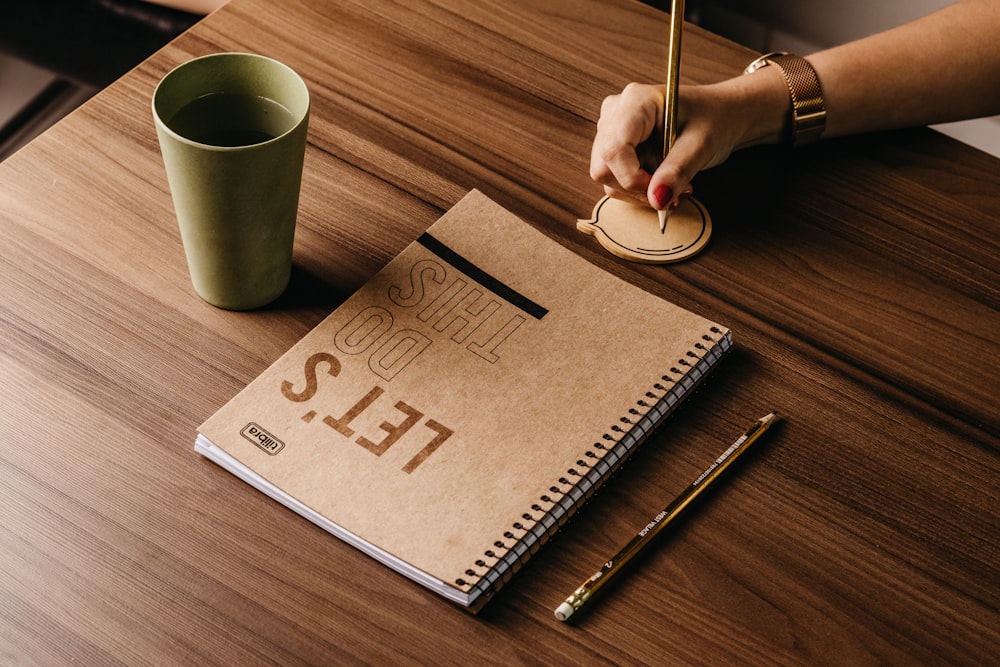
451 415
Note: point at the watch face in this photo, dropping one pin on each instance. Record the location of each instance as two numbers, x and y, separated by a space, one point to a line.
763 61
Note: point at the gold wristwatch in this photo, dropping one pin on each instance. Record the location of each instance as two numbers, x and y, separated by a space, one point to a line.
808 110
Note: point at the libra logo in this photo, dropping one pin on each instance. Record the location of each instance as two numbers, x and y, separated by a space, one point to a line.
258 436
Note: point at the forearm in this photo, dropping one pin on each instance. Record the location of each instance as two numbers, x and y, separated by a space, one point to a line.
193 6
942 67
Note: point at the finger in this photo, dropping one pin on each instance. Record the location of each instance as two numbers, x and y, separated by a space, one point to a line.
614 161
672 179
624 123
629 197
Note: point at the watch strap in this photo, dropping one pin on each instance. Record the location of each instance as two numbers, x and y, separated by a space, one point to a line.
808 109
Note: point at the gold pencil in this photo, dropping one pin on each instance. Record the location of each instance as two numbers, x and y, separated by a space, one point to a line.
673 81
613 567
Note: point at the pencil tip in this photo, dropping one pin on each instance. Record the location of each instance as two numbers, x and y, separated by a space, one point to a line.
663 220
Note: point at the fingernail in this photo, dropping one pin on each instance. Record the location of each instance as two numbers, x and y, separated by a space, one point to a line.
663 194
688 191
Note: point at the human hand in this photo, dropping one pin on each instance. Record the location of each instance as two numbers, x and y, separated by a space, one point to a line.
713 121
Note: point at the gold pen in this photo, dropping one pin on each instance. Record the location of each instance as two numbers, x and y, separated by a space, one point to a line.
613 567
673 81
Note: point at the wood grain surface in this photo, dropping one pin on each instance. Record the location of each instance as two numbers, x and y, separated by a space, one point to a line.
859 276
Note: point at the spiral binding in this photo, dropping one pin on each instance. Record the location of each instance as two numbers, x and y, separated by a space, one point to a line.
553 509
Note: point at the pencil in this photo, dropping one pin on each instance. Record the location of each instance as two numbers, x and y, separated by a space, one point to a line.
673 81
613 567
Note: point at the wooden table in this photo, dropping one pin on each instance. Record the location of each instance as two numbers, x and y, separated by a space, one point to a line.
860 278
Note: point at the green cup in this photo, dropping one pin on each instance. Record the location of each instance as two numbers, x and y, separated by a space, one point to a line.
232 131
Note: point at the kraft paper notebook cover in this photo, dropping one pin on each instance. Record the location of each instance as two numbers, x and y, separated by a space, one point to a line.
454 412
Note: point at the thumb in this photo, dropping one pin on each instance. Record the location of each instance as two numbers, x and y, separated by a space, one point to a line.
672 179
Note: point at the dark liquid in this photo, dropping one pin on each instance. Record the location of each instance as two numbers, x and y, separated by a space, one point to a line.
225 119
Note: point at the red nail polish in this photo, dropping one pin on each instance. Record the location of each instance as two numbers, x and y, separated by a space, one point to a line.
663 194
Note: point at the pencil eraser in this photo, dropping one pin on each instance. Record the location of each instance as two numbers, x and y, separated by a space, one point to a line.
564 611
